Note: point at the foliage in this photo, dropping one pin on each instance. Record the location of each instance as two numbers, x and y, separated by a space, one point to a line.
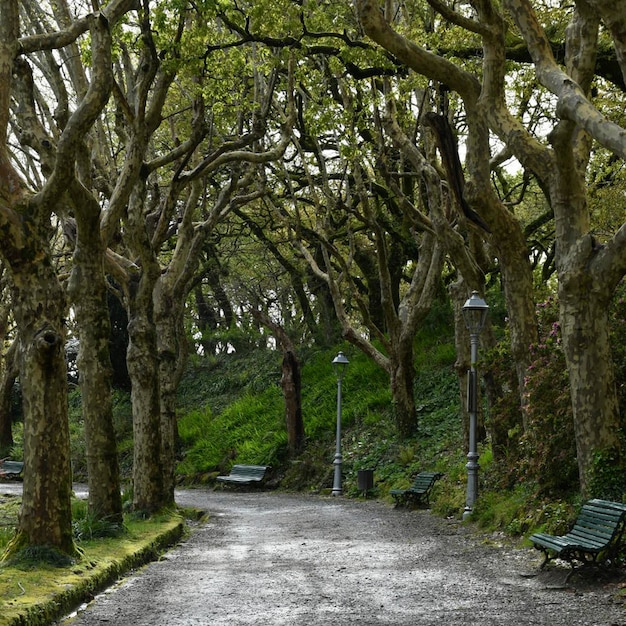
85 525
9 509
607 476
215 382
617 312
502 418
518 513
250 430
493 511
17 450
545 455
548 445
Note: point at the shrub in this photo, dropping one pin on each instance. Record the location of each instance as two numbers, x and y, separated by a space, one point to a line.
549 445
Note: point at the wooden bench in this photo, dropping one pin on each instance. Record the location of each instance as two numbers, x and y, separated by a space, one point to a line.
594 539
11 469
244 475
419 491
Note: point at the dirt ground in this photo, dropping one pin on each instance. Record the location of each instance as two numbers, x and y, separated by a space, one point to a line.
270 559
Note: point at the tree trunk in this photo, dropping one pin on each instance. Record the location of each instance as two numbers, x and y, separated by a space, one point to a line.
168 383
40 311
402 374
587 278
517 281
292 393
39 308
88 291
585 333
143 370
172 356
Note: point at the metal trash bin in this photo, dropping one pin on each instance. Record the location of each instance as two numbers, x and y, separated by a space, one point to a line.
365 480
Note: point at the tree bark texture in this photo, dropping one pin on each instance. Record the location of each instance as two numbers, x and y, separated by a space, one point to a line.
9 373
585 333
88 291
587 281
291 383
172 352
40 310
402 374
143 369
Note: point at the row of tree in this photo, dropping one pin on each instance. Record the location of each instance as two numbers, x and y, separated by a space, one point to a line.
316 168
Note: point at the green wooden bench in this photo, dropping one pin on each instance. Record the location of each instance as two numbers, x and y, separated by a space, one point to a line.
594 539
419 491
245 475
11 469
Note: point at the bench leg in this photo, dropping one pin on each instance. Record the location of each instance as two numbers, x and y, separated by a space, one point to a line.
546 558
398 500
570 574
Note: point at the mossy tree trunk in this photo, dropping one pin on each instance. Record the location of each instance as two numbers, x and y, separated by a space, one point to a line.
143 365
588 275
87 289
9 373
291 383
40 311
172 351
143 369
402 375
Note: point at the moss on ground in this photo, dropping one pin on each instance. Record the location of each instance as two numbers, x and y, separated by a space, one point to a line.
39 595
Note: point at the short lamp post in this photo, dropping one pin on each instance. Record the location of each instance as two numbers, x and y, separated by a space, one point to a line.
340 363
475 314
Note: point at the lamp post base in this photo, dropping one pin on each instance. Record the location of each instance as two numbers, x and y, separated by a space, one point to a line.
472 484
337 490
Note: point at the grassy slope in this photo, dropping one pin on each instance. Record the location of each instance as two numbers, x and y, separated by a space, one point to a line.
232 411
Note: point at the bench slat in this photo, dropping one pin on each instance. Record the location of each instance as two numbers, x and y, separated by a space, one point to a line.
244 474
594 537
419 491
11 469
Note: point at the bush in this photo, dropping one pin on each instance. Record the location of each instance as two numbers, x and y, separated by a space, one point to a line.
544 455
549 443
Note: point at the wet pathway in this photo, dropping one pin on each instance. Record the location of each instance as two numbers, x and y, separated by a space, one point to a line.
268 559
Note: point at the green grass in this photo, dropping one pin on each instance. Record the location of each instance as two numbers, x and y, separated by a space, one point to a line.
237 416
250 430
37 592
231 410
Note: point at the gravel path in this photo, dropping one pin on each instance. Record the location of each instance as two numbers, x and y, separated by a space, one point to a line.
268 559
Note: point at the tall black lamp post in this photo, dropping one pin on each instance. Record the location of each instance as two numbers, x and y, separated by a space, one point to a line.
340 363
475 314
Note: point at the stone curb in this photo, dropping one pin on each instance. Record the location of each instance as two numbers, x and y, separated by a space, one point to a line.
62 603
